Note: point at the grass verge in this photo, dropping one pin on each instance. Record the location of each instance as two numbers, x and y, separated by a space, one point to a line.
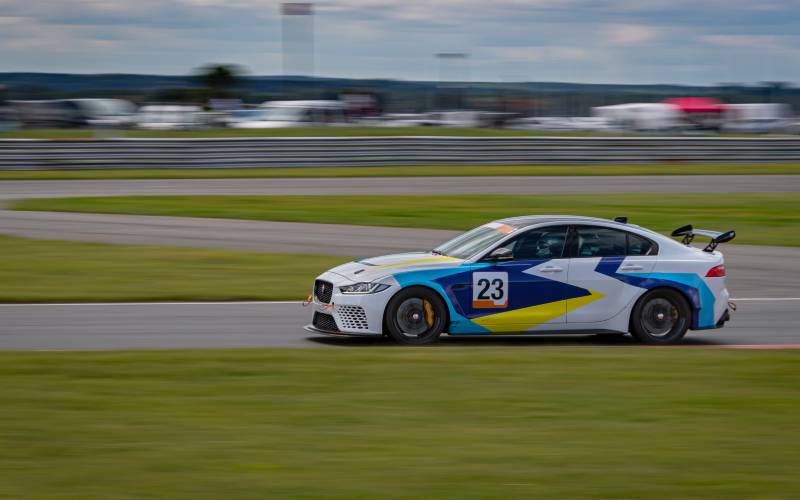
401 423
409 171
758 218
57 271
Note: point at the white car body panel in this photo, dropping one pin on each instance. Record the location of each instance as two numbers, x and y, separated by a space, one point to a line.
541 295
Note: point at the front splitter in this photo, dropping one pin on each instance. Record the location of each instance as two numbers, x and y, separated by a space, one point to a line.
313 329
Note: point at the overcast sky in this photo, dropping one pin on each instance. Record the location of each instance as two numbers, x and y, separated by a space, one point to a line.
619 41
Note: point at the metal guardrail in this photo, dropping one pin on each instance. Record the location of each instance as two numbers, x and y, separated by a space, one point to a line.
23 154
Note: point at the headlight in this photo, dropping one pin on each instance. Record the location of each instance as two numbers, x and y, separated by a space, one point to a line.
361 288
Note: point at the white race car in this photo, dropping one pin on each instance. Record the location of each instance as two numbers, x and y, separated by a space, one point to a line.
533 275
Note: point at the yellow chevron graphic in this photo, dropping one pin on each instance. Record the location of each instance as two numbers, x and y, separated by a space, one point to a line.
442 258
573 304
530 317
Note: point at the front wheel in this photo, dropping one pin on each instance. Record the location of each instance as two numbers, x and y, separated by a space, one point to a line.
415 316
661 317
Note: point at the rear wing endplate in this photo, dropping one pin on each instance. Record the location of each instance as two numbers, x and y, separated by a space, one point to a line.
689 233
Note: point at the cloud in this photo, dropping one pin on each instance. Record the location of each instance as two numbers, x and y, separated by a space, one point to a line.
538 54
759 42
630 34
565 39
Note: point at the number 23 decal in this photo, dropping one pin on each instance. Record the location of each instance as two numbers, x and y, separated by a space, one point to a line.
489 290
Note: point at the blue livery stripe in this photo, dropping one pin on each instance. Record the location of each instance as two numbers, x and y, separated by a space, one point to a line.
691 284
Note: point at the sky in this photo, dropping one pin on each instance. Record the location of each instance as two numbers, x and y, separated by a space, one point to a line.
588 41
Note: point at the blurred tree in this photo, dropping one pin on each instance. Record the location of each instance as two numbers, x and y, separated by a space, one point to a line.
220 79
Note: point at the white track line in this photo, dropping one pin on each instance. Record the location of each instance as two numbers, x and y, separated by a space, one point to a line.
759 347
274 302
767 299
93 304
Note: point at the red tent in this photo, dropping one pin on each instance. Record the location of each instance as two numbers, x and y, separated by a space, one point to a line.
697 104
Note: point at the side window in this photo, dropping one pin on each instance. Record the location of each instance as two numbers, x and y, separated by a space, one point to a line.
640 246
542 243
600 242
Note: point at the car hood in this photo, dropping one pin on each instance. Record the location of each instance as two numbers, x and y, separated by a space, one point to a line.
378 267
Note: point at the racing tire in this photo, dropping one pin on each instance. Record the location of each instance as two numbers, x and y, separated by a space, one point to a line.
415 316
660 317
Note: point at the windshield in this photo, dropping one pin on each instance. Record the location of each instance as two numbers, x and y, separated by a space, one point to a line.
475 241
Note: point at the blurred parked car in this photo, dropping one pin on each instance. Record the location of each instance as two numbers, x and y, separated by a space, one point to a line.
793 127
279 114
170 117
235 117
645 117
455 119
565 124
8 119
449 118
63 113
402 120
756 118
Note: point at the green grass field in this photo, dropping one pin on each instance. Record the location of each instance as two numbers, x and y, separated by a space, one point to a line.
758 218
409 171
56 271
401 423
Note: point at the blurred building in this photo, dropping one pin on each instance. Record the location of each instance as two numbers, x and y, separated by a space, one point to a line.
297 36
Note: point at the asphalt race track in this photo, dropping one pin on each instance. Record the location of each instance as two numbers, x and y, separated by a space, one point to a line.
771 273
239 325
405 185
753 271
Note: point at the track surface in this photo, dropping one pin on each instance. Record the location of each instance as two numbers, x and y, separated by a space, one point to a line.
331 239
754 271
406 185
163 326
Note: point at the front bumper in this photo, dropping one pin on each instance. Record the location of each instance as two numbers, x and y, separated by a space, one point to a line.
347 314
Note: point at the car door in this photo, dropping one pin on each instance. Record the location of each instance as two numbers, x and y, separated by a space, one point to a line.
520 294
600 258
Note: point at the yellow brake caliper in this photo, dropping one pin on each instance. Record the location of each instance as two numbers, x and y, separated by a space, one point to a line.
428 313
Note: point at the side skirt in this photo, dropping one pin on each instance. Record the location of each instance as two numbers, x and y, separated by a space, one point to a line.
592 331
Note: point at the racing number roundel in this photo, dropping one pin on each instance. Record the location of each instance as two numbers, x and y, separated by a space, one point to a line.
489 290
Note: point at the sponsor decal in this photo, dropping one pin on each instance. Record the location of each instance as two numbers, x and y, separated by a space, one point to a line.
501 228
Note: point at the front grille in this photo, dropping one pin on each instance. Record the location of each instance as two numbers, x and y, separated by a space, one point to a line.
352 317
324 322
323 291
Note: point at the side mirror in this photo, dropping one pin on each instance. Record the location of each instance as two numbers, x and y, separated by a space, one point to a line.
501 254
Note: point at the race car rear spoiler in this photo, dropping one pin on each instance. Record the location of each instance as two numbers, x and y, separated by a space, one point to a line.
688 233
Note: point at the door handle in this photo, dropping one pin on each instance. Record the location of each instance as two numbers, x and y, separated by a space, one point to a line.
631 268
551 269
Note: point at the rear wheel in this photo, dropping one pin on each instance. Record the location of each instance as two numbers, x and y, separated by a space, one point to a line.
415 316
661 317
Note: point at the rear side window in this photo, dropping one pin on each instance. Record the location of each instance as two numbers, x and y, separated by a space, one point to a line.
594 241
640 246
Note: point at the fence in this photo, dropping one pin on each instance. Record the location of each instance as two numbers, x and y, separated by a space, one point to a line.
372 151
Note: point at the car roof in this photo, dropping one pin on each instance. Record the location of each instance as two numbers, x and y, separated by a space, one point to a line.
529 220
